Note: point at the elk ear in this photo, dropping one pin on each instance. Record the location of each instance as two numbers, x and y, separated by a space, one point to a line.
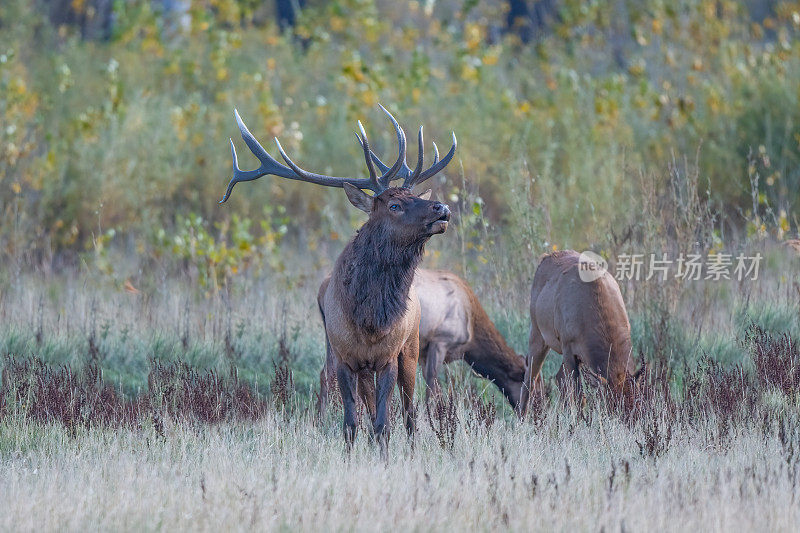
426 195
358 198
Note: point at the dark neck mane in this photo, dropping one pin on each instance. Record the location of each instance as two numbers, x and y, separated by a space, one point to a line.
375 276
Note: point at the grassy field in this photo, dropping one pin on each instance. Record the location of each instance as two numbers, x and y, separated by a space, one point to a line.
158 413
563 470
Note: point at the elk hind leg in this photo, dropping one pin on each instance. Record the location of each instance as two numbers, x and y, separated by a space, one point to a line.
407 375
326 379
434 358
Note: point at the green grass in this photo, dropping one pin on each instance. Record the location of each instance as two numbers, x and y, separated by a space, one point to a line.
128 337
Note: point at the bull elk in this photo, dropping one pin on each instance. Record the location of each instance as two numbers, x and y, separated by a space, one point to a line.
585 321
454 326
372 311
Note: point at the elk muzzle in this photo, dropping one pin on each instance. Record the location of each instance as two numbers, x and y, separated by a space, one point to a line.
442 214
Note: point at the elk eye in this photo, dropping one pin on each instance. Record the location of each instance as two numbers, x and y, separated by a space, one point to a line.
394 207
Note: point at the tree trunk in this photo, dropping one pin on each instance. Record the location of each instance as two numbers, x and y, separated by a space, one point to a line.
286 11
94 18
531 23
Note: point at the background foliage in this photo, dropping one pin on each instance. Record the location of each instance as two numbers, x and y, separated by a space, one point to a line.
117 141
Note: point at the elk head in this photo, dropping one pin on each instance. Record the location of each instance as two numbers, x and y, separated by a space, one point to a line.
403 216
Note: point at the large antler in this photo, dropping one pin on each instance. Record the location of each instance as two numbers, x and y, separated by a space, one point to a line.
269 165
417 176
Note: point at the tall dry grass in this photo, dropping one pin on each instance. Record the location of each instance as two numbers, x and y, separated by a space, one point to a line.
565 472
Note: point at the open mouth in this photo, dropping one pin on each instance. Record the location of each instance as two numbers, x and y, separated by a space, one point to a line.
440 224
444 219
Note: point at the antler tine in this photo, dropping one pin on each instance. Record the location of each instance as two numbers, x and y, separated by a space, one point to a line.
268 164
391 173
271 166
383 167
438 166
365 145
435 168
377 184
236 170
409 181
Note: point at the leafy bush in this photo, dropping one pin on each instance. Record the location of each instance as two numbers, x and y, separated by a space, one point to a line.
130 132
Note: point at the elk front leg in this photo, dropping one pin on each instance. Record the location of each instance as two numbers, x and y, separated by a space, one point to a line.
407 363
537 351
434 358
387 377
348 387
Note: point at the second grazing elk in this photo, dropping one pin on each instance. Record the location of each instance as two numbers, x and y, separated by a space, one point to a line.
371 310
454 327
585 321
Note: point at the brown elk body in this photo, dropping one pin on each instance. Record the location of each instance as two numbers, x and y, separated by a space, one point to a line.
585 321
371 310
454 326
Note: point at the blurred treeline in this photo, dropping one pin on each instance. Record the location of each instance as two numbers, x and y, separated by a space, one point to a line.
115 118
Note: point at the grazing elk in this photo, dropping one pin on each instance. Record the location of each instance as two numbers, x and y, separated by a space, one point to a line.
454 326
585 321
371 310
